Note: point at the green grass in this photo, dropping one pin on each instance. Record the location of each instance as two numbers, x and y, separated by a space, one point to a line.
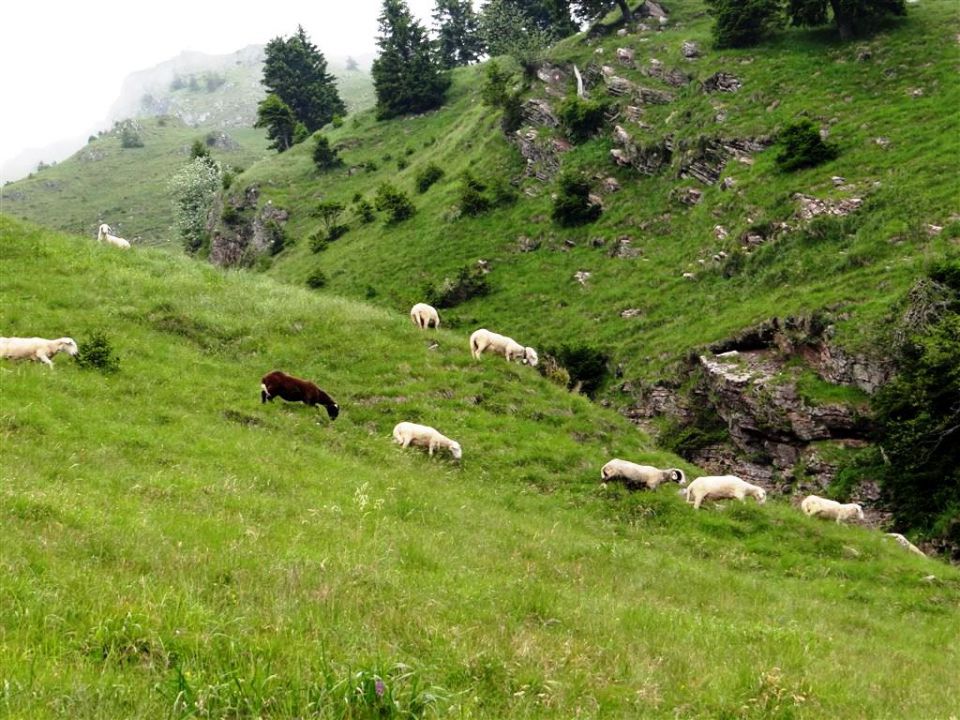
171 548
854 268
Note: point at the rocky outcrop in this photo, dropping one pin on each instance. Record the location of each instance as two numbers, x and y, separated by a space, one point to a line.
542 154
242 231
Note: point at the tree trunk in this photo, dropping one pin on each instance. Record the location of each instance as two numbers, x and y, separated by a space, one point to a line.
844 26
625 10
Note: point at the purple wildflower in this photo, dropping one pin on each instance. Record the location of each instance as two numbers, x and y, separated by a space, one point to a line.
380 687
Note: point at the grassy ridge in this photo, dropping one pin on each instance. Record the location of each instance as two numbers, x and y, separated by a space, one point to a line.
903 95
169 547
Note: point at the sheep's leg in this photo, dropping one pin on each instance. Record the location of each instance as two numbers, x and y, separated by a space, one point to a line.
406 441
697 500
431 448
264 395
42 357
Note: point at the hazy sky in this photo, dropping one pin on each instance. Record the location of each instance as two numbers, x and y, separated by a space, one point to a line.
63 62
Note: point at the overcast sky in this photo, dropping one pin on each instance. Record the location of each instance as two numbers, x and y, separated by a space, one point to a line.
62 63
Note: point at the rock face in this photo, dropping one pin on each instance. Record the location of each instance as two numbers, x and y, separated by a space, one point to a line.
254 231
542 154
750 382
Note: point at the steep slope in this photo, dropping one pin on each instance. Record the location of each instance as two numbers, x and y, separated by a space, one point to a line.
170 547
817 261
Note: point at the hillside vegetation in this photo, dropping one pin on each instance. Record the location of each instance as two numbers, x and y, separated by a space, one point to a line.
171 548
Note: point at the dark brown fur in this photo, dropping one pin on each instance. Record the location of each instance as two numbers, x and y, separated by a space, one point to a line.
291 389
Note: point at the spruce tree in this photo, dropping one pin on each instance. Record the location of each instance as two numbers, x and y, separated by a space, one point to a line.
458 33
406 76
850 16
281 124
296 72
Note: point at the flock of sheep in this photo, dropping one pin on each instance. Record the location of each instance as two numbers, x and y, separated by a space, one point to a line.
292 389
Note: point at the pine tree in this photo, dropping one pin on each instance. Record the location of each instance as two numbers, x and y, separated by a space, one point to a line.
406 77
458 33
508 30
281 124
850 16
296 72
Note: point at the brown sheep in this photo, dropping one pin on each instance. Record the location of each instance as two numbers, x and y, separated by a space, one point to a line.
291 389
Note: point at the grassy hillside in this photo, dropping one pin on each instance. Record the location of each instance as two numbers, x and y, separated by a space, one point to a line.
171 548
892 116
125 187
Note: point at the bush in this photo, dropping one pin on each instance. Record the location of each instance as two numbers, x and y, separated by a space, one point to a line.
364 211
402 163
496 93
97 353
324 156
581 118
742 23
585 366
469 283
277 238
130 136
427 176
572 205
394 202
801 147
317 279
473 201
337 121
319 241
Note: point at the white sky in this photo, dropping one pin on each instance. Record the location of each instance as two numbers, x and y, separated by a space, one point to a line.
62 63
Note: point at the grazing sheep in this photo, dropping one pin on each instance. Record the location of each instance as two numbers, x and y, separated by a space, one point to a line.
816 506
35 348
291 389
641 476
907 544
483 340
719 487
407 433
104 235
425 316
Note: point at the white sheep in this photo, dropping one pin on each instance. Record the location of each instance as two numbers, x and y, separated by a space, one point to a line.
104 235
644 476
719 487
483 340
424 316
815 506
407 433
35 348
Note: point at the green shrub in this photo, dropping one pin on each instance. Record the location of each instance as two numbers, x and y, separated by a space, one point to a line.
581 118
337 121
572 205
394 202
801 147
586 367
742 23
231 215
317 279
473 200
402 163
686 439
276 235
427 176
364 211
469 283
97 353
319 241
130 136
324 156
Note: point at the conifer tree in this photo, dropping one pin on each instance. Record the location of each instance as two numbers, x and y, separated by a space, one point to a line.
458 33
296 72
406 76
281 124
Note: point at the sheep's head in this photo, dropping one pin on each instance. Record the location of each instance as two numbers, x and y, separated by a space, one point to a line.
69 346
455 450
530 357
760 494
333 410
678 477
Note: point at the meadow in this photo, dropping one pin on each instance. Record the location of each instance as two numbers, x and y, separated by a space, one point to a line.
169 547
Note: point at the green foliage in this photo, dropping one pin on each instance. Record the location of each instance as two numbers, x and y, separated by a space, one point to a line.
581 118
394 202
586 367
406 77
130 136
508 30
468 284
199 150
743 23
97 353
572 205
364 211
402 163
280 122
497 93
194 189
427 176
801 147
918 417
457 33
473 199
329 212
687 438
852 17
316 280
296 72
324 156
277 238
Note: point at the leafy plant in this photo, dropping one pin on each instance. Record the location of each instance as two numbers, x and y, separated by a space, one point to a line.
801 147
572 206
427 176
394 202
469 283
316 279
581 118
97 353
324 156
